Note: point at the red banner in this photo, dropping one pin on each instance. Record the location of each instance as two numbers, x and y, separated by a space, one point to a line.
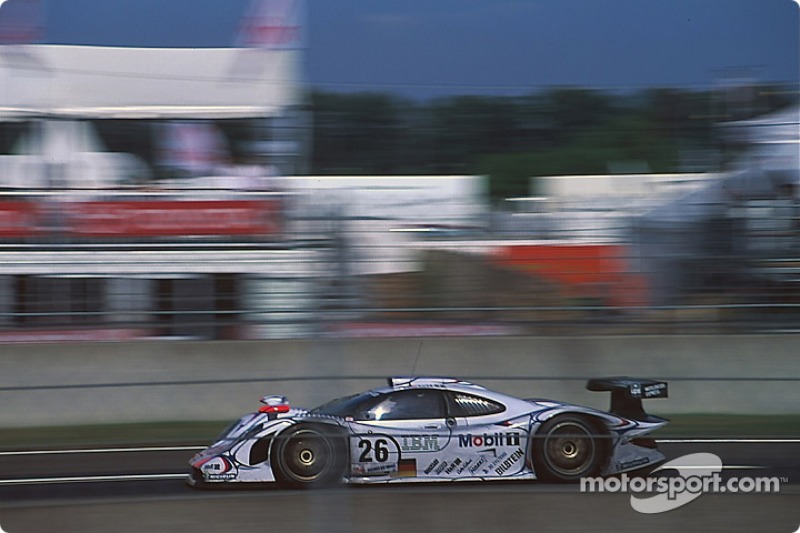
19 219
582 270
75 335
173 218
420 329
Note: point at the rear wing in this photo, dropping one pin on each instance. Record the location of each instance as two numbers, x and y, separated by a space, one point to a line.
627 394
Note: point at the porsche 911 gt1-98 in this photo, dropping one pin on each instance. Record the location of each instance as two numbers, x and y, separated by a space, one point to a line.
420 429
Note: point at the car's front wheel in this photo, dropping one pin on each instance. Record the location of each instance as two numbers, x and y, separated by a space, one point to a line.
307 456
567 448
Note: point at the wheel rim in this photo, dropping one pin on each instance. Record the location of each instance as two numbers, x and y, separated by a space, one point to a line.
569 449
306 456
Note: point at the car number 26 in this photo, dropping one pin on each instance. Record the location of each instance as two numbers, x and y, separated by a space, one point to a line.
377 449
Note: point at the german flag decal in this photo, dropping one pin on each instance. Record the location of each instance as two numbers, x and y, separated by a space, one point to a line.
407 468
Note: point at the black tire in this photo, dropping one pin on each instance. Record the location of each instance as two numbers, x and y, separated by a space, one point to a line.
308 456
567 448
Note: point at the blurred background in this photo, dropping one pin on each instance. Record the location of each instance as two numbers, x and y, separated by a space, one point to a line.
279 169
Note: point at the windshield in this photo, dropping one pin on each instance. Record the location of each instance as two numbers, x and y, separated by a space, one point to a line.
347 406
411 404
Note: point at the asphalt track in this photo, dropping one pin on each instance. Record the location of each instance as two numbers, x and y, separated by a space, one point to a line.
140 490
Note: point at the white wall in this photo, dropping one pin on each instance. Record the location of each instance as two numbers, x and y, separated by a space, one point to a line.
375 214
114 82
707 374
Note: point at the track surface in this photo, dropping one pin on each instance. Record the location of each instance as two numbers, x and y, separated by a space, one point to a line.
65 492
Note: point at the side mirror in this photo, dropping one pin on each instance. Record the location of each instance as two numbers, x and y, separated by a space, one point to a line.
274 400
275 404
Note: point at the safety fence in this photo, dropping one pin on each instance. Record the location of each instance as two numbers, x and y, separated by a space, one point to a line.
270 265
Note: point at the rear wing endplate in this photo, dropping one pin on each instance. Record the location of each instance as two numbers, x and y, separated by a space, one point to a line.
627 394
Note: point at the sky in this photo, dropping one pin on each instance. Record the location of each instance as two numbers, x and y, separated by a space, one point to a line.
426 48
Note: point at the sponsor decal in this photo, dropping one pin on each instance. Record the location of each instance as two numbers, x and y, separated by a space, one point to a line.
419 443
218 465
406 468
480 463
632 464
656 389
464 466
491 466
508 463
488 439
453 466
653 390
431 466
374 469
219 469
230 476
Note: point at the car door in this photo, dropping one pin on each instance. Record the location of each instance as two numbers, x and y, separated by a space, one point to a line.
483 443
401 434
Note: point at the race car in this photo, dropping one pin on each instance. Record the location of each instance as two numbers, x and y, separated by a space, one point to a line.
420 429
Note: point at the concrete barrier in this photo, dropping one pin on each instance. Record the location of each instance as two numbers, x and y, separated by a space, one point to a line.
96 383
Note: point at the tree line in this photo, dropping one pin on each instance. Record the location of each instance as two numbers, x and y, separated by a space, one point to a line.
510 139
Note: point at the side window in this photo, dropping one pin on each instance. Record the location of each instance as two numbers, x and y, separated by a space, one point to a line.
461 404
408 405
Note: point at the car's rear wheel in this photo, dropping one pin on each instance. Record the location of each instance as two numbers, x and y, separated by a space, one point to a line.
308 456
567 448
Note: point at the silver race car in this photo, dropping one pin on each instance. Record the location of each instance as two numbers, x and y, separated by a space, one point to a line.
435 429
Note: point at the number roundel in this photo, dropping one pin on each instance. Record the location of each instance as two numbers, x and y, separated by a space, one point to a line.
377 450
381 451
